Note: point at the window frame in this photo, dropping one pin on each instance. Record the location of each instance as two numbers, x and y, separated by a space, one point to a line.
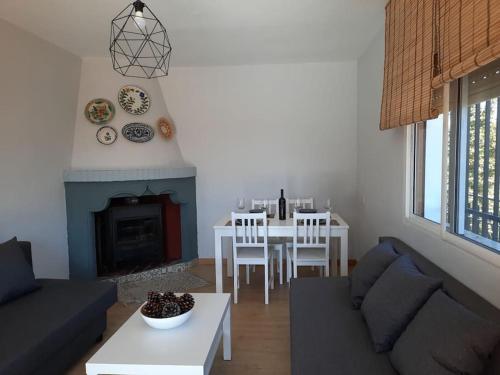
435 229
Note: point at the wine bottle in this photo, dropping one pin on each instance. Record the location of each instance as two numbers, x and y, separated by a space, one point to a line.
282 206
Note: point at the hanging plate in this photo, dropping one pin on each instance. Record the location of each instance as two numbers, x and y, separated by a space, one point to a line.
106 135
99 111
134 100
138 133
166 128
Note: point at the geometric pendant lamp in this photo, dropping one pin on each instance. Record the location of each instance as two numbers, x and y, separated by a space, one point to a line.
139 43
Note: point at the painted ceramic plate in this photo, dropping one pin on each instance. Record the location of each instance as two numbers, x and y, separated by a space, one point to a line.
106 135
166 128
137 132
134 100
99 111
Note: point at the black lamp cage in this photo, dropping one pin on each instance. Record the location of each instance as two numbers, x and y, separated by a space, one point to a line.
139 44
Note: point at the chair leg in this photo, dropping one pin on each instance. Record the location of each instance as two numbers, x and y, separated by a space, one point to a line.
271 261
327 269
253 268
266 284
238 275
288 269
235 283
280 266
295 270
248 273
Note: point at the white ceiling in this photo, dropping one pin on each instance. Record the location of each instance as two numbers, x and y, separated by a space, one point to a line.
214 32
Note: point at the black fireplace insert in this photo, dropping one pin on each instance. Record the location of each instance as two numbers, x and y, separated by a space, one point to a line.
129 236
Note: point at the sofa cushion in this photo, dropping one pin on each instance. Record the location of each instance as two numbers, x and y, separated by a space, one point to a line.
493 363
16 274
369 269
394 300
327 335
37 325
445 338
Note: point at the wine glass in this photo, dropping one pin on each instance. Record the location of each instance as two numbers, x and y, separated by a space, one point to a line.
297 204
241 203
328 204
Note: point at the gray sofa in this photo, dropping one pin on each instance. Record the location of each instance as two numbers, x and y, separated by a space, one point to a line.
329 337
46 331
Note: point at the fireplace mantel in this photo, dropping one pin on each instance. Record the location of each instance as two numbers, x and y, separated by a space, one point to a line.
110 175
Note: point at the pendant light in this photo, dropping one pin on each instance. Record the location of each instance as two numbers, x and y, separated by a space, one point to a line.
139 43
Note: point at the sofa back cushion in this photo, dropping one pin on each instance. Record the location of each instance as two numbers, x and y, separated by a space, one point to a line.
443 338
369 269
16 274
394 300
456 290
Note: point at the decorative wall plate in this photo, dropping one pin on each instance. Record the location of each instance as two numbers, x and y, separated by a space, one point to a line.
106 135
137 132
134 100
99 111
166 127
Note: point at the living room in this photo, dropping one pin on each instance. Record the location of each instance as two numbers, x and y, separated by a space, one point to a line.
146 142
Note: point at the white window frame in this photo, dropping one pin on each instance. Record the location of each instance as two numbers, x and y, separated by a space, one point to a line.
439 230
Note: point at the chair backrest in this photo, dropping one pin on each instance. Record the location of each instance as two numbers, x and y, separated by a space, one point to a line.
311 230
303 202
271 204
246 228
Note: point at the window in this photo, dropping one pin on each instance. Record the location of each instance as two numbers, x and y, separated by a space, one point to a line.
473 149
428 148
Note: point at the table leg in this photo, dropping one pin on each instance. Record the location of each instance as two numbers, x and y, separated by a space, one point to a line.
218 263
226 334
344 254
229 261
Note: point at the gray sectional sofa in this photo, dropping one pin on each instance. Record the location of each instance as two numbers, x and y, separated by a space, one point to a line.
329 337
47 330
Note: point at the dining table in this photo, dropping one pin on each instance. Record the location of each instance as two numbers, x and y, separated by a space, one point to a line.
275 228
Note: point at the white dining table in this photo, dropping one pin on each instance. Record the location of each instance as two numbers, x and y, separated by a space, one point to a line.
276 228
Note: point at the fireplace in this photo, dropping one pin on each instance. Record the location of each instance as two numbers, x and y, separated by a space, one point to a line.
124 221
137 233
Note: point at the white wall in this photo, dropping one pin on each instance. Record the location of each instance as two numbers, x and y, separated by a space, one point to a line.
381 179
37 106
99 80
251 130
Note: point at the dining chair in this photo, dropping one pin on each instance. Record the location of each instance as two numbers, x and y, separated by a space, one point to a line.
292 203
311 243
251 248
275 243
301 202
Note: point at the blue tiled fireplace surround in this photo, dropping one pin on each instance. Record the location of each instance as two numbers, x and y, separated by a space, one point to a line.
87 193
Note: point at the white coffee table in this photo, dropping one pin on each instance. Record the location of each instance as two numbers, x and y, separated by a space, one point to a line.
186 350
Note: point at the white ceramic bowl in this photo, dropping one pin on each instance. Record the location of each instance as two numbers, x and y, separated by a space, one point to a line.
166 323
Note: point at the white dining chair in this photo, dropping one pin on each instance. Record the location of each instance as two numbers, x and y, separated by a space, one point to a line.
275 243
251 248
311 243
292 205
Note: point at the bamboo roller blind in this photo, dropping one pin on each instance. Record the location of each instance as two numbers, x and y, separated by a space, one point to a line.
408 96
468 36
